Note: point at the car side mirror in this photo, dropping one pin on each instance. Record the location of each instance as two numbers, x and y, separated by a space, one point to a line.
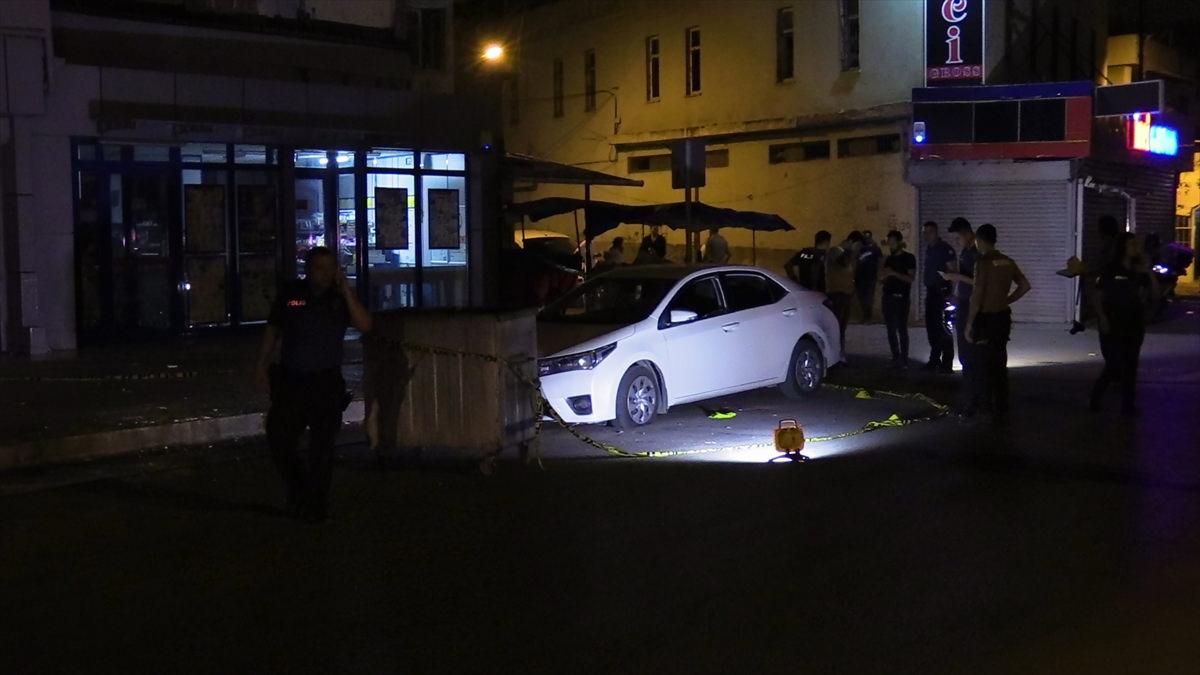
682 316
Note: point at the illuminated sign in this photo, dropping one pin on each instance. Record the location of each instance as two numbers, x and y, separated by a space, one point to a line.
1142 134
953 42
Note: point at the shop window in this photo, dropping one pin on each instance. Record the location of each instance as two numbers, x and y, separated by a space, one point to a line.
1043 120
215 153
653 65
785 45
346 242
786 153
345 159
865 146
257 239
692 61
391 158
391 246
310 217
254 154
86 152
111 153
444 234
312 159
151 153
849 33
443 161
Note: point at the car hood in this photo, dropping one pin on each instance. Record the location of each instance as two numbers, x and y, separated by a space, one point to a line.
570 338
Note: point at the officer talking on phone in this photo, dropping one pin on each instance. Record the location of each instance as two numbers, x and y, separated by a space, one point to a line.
308 326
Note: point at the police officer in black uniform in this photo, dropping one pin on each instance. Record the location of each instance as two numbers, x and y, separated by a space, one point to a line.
308 324
1120 294
807 267
897 278
939 256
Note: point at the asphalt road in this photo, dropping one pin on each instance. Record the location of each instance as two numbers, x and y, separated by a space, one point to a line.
1066 543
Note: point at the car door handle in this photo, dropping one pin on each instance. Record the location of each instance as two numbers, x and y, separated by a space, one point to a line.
730 327
790 311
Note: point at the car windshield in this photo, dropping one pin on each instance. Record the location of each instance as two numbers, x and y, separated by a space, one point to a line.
618 301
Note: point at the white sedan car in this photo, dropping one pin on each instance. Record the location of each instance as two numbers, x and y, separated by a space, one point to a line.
629 344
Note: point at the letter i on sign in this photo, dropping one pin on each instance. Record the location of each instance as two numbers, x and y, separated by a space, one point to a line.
953 45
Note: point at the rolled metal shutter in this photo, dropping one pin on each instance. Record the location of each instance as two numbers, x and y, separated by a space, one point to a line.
1034 227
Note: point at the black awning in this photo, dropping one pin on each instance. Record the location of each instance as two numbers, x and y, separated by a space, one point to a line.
524 167
604 216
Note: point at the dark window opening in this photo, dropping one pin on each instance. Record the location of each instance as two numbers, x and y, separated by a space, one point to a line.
713 159
653 63
1043 120
692 79
431 37
785 45
589 80
786 153
865 146
849 34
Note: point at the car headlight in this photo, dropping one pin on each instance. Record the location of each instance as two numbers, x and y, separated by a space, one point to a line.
581 361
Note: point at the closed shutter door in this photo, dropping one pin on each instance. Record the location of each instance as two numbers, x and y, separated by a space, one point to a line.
1153 188
1034 228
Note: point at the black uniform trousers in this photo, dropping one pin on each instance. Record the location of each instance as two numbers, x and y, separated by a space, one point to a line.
841 310
895 316
302 401
1121 350
941 345
866 297
989 378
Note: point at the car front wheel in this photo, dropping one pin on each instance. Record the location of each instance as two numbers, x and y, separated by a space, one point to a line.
637 398
806 370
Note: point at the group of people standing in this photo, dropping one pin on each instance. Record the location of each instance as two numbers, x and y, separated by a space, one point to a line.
856 269
970 273
653 250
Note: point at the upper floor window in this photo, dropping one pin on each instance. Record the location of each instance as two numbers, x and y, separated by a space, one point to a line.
653 62
558 88
692 76
589 80
427 35
785 45
849 33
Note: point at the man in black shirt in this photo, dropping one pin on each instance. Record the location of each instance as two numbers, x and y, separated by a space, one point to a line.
807 267
866 274
938 255
308 324
897 279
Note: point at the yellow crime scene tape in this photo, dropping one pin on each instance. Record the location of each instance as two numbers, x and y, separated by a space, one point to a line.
543 409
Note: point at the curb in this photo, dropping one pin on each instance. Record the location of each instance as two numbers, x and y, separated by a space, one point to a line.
126 441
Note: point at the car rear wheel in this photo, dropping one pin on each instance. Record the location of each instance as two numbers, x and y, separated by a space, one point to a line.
806 370
637 398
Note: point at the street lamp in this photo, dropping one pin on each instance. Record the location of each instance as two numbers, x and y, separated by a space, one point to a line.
493 52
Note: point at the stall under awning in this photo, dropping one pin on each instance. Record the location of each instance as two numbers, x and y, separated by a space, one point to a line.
533 169
604 216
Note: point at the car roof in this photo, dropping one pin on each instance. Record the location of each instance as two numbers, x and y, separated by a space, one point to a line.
525 234
675 272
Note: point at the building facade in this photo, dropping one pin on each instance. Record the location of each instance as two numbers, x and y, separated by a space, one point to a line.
165 164
805 107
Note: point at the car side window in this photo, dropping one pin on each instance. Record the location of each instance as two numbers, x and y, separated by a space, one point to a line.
747 291
701 296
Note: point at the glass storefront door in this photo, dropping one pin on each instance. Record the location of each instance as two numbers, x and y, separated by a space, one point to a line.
142 262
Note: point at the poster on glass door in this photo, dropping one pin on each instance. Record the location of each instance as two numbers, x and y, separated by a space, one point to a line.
444 224
391 218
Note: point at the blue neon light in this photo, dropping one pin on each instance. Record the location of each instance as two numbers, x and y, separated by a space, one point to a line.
1163 140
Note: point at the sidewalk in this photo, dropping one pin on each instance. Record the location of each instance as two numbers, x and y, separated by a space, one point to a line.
113 400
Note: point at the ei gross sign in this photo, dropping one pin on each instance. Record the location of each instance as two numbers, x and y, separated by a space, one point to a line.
953 42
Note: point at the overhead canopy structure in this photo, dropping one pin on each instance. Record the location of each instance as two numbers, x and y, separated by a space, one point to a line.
604 216
533 169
